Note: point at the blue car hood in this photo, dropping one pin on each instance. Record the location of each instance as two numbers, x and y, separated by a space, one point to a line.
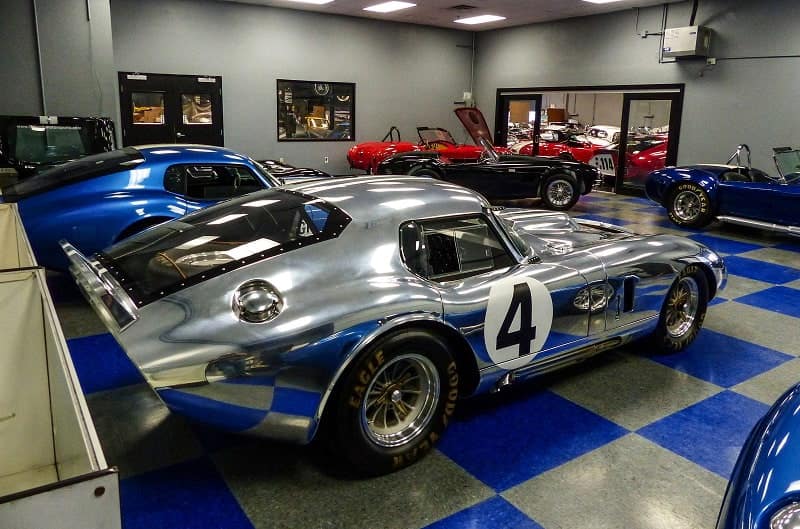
767 474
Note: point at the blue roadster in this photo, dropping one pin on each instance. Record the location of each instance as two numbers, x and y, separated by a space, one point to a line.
764 490
738 194
101 199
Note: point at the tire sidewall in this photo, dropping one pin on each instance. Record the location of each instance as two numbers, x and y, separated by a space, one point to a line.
351 443
665 342
705 205
550 180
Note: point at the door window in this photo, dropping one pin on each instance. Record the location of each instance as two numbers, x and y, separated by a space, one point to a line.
196 109
148 108
211 182
448 249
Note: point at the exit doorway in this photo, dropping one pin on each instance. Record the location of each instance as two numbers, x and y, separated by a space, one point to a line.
166 108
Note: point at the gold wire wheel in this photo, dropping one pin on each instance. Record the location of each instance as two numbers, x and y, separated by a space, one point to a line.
401 400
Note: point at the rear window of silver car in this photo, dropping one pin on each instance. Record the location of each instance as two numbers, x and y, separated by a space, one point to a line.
215 240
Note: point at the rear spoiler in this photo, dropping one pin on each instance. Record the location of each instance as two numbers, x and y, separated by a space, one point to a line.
105 295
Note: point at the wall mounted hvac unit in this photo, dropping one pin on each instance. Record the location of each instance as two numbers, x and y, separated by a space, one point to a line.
687 43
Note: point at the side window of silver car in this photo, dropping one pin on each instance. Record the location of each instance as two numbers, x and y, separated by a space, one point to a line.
448 249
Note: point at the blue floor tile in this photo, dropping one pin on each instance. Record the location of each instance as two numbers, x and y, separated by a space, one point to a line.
784 300
761 270
723 360
101 363
494 513
726 246
603 218
189 495
717 300
506 439
709 433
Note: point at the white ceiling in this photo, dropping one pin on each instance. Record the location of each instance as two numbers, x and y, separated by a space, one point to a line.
441 13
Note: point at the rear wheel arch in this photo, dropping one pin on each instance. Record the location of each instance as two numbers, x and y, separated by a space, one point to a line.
343 435
140 225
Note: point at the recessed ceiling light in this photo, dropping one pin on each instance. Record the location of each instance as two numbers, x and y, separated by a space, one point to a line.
388 7
480 19
316 2
601 1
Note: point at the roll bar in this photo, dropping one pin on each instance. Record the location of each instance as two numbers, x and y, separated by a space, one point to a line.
737 155
390 135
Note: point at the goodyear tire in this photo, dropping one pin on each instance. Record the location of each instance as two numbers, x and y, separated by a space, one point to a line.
683 312
689 205
560 192
394 402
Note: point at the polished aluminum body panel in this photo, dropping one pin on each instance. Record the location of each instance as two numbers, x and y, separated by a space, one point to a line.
340 295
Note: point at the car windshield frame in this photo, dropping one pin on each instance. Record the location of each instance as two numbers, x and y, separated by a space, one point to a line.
780 156
434 135
219 239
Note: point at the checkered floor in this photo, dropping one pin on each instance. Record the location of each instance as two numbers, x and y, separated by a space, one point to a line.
626 440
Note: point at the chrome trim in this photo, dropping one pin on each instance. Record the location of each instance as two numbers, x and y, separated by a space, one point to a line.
619 336
471 329
109 299
770 226
786 518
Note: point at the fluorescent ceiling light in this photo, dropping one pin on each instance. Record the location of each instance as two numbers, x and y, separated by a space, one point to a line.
601 1
388 7
480 19
317 2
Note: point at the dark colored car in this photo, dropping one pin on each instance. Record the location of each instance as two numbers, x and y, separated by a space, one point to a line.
764 490
558 181
738 194
31 144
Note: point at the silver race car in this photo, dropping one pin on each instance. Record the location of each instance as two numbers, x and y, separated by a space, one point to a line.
364 308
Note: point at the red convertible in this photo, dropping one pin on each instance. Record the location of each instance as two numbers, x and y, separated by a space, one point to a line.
366 156
557 142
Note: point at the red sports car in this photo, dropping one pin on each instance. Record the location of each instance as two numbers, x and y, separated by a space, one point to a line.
558 142
644 155
366 156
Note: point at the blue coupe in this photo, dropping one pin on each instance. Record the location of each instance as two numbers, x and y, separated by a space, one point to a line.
764 490
738 194
101 199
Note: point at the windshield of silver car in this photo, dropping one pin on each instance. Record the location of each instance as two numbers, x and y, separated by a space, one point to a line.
215 240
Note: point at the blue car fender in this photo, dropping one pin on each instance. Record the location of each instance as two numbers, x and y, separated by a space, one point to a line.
661 184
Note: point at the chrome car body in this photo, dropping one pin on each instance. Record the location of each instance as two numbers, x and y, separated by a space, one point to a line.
344 280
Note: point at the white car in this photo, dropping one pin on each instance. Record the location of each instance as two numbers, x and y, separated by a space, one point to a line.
601 135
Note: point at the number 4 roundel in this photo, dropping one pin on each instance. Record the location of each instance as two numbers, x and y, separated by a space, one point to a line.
518 320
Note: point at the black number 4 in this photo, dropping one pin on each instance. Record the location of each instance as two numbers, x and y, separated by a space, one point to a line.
527 331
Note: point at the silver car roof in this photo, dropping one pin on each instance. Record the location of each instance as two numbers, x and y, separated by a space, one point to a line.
394 197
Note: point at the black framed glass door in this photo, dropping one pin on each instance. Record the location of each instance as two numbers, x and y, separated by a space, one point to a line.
648 138
517 119
165 108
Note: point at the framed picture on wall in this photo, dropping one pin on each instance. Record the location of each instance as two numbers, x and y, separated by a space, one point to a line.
316 111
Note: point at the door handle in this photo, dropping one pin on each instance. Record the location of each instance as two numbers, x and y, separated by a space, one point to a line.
179 135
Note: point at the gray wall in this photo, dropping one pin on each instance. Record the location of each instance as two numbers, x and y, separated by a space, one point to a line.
19 73
405 75
751 101
77 58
